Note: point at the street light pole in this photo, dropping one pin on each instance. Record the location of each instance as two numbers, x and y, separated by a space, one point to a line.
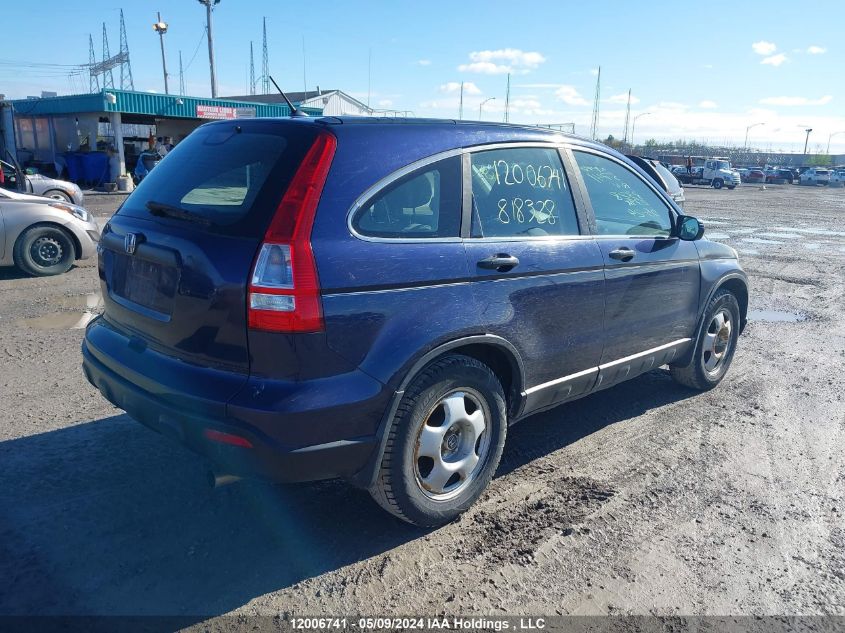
830 137
481 105
634 127
209 4
745 146
161 28
807 139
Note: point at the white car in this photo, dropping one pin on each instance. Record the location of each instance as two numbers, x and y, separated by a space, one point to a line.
40 185
43 236
837 178
816 176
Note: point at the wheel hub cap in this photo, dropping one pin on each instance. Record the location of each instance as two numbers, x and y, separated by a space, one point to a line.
451 445
717 341
46 251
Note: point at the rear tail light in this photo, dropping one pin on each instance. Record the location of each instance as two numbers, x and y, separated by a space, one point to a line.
284 292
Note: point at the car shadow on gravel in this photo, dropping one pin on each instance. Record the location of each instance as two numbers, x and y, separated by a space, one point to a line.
107 517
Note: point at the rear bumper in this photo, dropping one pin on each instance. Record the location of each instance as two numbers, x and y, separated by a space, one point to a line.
268 457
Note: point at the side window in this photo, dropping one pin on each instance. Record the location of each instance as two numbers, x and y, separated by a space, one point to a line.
424 203
521 192
623 204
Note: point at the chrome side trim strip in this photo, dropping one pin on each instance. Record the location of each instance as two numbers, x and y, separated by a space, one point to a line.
592 370
557 381
647 352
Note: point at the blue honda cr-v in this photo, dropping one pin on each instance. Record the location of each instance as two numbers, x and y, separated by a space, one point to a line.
378 299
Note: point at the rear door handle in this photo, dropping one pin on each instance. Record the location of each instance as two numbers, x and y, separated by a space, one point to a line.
501 262
624 254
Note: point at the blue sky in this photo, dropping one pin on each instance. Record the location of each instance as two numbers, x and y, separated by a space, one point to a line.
705 78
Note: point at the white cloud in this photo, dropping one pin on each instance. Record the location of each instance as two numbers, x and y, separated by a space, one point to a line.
816 50
570 96
385 103
455 86
622 98
502 61
763 47
708 104
424 62
594 71
774 60
796 101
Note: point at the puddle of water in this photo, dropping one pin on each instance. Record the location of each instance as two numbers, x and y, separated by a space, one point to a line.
716 235
706 222
757 240
86 308
775 316
787 236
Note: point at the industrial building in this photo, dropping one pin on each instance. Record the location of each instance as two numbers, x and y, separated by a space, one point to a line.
330 102
46 133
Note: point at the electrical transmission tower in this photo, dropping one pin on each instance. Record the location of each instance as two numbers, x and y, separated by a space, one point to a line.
93 80
251 70
265 64
108 77
181 76
126 82
104 67
594 125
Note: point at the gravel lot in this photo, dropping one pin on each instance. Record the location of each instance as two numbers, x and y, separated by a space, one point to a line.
645 499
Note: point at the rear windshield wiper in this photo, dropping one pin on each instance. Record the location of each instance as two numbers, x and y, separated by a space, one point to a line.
168 210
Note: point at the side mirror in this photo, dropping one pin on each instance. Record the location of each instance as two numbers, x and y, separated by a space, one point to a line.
689 228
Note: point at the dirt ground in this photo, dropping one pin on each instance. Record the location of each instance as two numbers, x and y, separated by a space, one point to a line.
645 499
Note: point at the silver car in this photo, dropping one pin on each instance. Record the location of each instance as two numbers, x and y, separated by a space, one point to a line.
43 236
41 185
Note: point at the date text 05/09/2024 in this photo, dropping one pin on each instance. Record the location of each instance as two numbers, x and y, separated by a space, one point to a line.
455 623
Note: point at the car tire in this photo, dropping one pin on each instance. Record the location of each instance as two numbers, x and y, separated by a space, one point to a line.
714 346
57 194
434 431
717 184
41 251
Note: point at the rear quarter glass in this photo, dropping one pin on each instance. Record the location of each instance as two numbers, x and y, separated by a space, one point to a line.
230 175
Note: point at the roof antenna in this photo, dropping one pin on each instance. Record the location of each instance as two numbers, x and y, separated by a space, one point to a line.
294 111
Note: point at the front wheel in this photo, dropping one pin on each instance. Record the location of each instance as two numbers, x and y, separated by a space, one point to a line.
715 345
444 444
43 251
717 184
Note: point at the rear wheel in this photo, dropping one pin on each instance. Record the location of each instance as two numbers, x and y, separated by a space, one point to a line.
715 346
43 251
717 184
444 444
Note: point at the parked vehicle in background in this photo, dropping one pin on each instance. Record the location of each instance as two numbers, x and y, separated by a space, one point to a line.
716 172
815 176
780 176
743 173
755 176
837 178
662 176
301 299
16 179
42 236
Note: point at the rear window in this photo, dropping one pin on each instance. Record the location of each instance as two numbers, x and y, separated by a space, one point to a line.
227 177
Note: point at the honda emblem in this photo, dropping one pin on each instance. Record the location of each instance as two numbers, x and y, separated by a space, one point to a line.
130 242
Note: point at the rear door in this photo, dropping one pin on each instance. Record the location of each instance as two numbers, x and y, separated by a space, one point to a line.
175 259
652 278
538 279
